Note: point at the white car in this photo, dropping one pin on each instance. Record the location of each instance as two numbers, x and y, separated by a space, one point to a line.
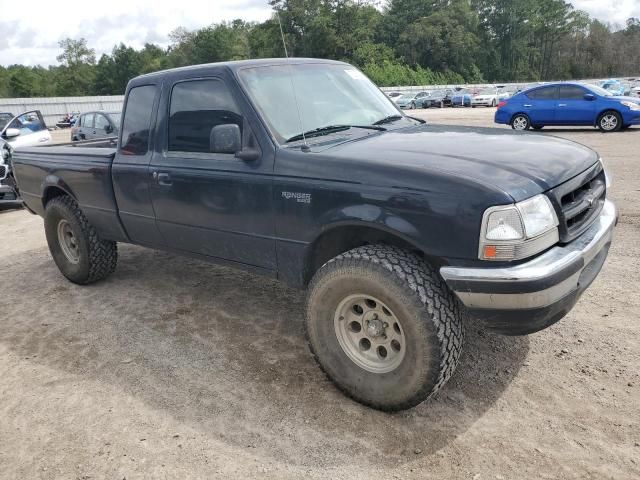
26 130
489 97
635 91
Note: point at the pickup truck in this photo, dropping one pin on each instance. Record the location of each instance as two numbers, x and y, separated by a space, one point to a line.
402 232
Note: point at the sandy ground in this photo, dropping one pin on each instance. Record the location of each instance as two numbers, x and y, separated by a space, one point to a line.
177 369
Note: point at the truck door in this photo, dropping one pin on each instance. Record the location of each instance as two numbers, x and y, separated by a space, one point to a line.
206 201
130 169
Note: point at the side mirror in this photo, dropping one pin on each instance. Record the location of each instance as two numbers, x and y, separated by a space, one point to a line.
589 96
225 138
11 132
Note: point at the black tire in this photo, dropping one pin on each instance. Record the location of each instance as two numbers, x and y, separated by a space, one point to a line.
609 121
96 258
493 103
431 319
520 122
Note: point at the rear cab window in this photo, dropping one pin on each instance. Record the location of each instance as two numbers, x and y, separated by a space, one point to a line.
137 120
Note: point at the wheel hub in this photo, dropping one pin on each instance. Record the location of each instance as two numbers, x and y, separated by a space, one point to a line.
375 327
68 242
369 333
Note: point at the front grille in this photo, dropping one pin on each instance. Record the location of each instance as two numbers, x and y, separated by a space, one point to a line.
3 172
579 201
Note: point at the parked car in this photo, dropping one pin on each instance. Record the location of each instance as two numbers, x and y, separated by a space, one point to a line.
93 125
489 97
394 95
411 100
8 194
461 98
26 130
569 104
635 91
437 98
398 229
614 87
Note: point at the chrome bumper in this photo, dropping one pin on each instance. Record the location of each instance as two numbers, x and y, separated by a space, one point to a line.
541 282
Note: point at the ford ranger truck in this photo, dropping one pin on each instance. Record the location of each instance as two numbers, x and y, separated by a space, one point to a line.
304 171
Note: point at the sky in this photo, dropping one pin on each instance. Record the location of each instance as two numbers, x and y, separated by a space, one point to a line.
30 31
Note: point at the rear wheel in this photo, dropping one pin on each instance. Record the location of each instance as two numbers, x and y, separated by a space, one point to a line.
383 326
520 122
610 121
74 244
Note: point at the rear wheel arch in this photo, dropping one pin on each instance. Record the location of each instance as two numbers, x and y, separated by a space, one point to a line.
53 191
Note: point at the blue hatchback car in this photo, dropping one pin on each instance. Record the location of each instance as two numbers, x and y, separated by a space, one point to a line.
568 104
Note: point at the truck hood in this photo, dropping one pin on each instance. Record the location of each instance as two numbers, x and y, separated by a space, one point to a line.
520 164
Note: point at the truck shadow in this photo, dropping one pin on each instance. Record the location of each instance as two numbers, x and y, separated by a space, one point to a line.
224 352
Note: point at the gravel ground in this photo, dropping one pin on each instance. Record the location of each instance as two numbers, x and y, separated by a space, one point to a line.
177 369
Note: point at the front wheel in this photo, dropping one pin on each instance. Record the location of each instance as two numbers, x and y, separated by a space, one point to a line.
520 122
383 326
610 121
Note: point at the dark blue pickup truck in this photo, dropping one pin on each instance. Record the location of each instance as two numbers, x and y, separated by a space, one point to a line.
303 170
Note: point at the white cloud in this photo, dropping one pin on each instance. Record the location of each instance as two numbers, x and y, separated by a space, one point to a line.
30 31
615 12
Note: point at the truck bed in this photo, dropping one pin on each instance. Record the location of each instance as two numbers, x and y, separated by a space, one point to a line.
80 169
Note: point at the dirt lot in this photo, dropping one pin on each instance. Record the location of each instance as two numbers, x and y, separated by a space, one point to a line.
176 369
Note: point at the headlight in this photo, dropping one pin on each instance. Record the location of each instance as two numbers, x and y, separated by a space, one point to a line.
631 105
513 232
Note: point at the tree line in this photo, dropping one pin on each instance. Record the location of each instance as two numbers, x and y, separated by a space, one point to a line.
402 42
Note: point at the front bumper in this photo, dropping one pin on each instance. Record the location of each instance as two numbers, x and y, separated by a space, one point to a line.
533 295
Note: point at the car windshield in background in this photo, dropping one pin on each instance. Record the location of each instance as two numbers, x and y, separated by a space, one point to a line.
326 95
599 90
4 119
116 117
488 91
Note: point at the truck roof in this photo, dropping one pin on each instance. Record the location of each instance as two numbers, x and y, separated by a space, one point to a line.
236 65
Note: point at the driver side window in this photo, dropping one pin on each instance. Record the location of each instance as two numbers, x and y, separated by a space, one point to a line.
197 106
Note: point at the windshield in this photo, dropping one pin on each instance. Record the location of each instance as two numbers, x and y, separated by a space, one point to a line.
488 91
326 95
599 90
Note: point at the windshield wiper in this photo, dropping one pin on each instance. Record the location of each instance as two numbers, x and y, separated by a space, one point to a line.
389 119
331 129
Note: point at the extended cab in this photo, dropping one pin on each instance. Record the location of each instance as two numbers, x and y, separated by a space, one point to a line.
304 171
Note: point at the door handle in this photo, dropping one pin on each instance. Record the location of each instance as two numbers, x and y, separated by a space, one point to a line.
527 105
163 179
562 104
